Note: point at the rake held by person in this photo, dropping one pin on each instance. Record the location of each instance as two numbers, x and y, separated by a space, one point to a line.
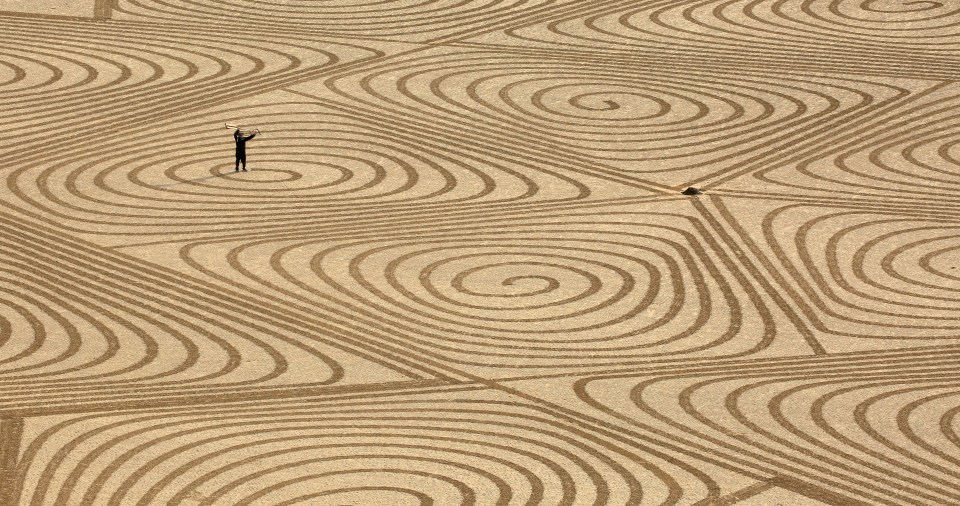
240 139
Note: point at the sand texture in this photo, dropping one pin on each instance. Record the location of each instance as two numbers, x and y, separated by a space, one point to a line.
460 269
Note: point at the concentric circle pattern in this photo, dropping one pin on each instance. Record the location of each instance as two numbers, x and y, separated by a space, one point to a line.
403 19
881 427
61 336
92 81
664 123
300 170
480 253
565 292
932 24
889 276
869 274
760 25
910 154
417 449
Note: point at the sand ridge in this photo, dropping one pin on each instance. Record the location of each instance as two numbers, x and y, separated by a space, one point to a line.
460 269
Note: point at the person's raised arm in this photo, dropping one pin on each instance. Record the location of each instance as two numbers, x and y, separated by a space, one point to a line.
251 136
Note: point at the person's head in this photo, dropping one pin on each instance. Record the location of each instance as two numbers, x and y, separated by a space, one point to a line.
236 133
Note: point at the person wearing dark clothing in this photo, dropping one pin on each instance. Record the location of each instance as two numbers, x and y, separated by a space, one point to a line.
241 142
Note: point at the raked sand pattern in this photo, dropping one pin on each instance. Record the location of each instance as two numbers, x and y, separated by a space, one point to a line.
460 270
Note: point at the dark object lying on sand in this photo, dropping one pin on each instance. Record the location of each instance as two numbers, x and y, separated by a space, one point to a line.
692 191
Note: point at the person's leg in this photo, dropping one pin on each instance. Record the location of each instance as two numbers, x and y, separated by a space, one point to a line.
243 158
236 167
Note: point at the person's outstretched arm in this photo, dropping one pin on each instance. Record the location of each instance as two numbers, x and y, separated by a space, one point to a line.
251 136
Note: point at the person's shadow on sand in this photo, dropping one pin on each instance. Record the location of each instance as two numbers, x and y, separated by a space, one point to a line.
197 179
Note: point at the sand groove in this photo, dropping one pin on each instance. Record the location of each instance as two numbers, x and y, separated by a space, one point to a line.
460 270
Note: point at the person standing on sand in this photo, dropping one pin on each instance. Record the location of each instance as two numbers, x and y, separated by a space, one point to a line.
241 142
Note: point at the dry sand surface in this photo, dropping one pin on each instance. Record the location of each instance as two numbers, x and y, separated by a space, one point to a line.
460 270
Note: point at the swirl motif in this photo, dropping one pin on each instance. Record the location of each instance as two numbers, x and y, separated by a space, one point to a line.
868 274
533 295
97 83
73 333
907 154
666 124
463 268
760 26
421 449
421 20
881 427
301 172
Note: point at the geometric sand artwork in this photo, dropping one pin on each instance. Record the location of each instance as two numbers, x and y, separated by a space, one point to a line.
461 267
